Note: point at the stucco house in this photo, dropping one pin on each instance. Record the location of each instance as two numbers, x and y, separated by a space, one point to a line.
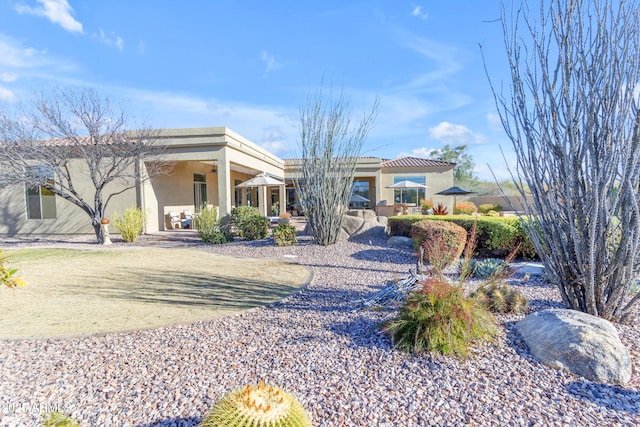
209 164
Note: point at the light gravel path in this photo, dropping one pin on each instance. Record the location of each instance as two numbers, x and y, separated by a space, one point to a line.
313 345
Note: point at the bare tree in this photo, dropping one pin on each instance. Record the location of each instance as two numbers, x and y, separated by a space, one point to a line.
330 150
572 117
71 137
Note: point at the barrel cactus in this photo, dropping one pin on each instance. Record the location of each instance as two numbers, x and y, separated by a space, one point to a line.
257 406
501 298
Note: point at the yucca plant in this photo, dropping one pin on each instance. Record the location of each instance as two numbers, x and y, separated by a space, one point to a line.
440 210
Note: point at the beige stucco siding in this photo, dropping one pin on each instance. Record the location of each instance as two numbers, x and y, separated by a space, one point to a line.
437 179
70 219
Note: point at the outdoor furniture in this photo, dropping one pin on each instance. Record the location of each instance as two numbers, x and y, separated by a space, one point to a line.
186 219
174 220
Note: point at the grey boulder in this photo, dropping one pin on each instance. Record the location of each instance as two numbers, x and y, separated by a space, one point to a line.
577 342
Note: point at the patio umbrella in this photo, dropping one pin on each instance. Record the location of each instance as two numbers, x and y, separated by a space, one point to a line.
406 184
454 191
262 180
357 198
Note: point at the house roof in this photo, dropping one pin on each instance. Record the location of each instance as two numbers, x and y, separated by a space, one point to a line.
413 162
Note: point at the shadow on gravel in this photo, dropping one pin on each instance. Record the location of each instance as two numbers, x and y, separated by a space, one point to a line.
385 255
608 396
363 332
322 300
173 422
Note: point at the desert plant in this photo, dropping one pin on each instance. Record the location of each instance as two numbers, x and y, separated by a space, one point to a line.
488 267
426 204
209 230
284 218
257 406
58 419
501 298
573 122
255 228
8 275
439 319
130 224
465 208
439 242
440 210
285 234
330 145
485 208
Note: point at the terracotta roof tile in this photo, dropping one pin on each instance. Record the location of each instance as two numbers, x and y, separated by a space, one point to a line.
413 162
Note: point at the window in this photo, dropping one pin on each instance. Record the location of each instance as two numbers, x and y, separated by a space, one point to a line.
199 191
238 192
360 198
41 203
409 195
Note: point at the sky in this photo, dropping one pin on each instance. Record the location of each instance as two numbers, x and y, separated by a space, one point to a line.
250 65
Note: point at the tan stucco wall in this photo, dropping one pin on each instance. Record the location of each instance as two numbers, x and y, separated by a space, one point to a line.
70 219
437 179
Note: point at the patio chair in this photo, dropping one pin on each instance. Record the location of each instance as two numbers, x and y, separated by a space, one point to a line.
174 220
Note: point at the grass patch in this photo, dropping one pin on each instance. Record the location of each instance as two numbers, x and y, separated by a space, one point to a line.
73 292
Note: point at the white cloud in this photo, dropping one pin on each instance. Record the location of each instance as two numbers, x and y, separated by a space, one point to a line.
274 140
8 77
418 13
57 11
110 40
142 47
270 62
7 95
455 134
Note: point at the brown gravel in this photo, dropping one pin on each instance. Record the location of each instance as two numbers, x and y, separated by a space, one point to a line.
314 346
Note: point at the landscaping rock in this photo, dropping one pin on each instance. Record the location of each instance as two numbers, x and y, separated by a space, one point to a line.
366 214
351 224
577 342
400 242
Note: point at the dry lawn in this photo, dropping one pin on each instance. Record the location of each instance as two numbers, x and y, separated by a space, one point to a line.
75 292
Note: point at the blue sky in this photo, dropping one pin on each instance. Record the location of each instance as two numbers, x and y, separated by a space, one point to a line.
249 65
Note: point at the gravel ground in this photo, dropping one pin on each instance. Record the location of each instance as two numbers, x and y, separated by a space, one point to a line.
316 347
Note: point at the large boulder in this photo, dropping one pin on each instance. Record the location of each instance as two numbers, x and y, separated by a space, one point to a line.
577 342
351 224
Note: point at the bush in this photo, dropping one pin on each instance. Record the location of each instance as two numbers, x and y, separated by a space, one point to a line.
501 298
442 242
439 319
130 224
255 228
485 208
465 208
206 222
497 237
239 215
7 275
285 234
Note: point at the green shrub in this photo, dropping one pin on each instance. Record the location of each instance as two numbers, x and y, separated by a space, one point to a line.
130 224
7 275
465 208
257 406
247 222
58 419
442 242
285 234
501 298
440 319
209 231
255 228
485 208
497 237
